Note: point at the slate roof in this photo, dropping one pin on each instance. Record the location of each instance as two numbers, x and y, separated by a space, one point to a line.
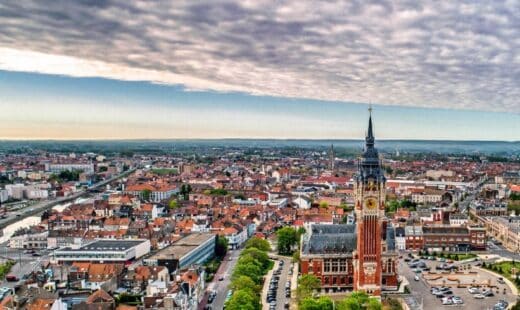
340 239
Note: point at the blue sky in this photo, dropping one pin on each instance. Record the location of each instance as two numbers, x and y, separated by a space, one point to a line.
118 69
40 106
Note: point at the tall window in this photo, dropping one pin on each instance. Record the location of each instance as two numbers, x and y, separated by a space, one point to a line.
326 265
342 265
335 265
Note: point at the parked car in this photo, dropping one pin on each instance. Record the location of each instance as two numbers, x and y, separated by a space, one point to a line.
479 296
11 278
501 281
457 300
473 290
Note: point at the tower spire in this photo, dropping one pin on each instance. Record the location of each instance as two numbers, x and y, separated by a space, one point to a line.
370 133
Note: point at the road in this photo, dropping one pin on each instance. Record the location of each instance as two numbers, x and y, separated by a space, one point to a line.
284 276
13 217
25 263
502 251
221 287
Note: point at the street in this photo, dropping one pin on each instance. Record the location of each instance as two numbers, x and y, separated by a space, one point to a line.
284 276
25 262
221 287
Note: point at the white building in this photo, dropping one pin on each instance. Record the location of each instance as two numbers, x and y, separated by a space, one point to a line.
458 219
4 196
105 250
29 241
57 168
400 239
302 202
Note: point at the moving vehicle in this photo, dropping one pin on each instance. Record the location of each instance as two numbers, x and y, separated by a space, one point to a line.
416 278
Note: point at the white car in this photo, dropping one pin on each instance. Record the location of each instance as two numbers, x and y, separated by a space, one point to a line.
447 301
479 296
473 290
457 300
416 278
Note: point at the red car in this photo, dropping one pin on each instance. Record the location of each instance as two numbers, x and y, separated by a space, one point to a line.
11 278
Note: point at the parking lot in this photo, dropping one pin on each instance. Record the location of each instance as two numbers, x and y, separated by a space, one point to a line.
454 284
277 288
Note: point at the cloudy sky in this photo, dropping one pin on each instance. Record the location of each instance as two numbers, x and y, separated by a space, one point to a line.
280 69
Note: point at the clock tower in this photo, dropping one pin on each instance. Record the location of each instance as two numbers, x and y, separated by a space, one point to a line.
369 189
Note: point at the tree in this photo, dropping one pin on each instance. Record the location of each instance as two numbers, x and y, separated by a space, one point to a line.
145 194
249 269
287 237
243 300
185 191
359 300
373 304
296 257
259 243
221 246
260 256
324 204
244 283
322 303
307 283
173 204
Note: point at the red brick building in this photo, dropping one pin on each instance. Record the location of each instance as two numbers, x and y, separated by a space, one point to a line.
358 256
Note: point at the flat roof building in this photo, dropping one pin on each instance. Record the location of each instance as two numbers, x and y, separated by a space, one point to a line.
105 250
190 250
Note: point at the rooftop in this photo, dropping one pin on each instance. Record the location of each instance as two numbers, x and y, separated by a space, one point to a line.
108 245
182 247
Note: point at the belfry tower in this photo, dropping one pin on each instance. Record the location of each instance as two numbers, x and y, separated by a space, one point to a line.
369 190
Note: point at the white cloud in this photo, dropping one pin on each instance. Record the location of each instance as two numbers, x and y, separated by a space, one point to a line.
411 53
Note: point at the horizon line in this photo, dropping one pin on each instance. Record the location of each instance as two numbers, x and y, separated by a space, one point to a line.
252 138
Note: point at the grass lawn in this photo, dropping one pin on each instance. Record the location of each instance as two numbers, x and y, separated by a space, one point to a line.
455 256
165 171
504 268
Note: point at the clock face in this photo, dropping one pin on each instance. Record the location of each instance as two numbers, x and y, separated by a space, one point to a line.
371 203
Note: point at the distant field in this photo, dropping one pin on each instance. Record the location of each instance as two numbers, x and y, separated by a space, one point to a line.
165 171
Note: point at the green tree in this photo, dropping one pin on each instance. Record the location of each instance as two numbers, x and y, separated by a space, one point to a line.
185 191
259 243
244 283
307 283
249 269
145 194
173 204
287 237
324 204
348 304
221 246
373 304
296 257
243 300
359 300
322 303
260 256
